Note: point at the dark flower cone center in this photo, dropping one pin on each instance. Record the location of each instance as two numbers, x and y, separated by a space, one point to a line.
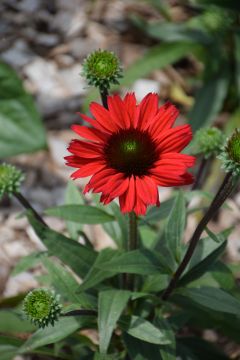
131 151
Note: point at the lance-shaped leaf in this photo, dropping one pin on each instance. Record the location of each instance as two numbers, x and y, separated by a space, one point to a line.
73 254
84 214
110 306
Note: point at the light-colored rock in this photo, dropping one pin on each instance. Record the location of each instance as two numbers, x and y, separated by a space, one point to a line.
58 149
142 87
19 284
70 23
35 239
73 82
18 55
29 6
99 237
15 249
52 85
15 222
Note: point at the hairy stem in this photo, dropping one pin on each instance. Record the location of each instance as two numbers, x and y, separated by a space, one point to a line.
24 202
224 191
199 174
104 95
132 245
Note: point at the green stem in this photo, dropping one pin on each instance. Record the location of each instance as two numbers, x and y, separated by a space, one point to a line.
224 191
199 174
132 240
132 245
24 202
104 95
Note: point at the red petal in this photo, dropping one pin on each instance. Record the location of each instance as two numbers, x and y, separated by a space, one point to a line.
140 208
78 161
132 108
103 116
88 169
127 200
175 139
185 159
148 109
95 124
85 149
165 118
118 112
90 133
147 190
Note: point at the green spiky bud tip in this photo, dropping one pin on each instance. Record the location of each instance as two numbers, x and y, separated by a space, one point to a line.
10 179
102 68
208 141
215 19
230 155
42 307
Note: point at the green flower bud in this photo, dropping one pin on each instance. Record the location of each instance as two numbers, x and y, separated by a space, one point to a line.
10 179
217 20
230 155
101 68
42 307
208 141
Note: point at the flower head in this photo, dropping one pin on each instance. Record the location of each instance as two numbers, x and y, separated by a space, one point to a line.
42 307
131 150
101 68
10 179
230 155
208 141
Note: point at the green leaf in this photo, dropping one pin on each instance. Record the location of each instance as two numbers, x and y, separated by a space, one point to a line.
20 123
73 196
157 57
142 262
203 266
212 298
143 330
154 214
9 347
96 273
206 246
62 280
110 263
213 236
110 306
84 214
49 335
172 32
168 352
223 275
117 230
175 225
155 283
8 352
209 100
78 257
11 322
28 262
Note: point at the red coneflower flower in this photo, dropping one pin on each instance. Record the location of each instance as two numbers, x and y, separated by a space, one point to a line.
131 150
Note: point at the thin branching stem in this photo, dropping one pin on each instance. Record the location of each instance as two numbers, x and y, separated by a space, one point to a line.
25 203
104 95
224 191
